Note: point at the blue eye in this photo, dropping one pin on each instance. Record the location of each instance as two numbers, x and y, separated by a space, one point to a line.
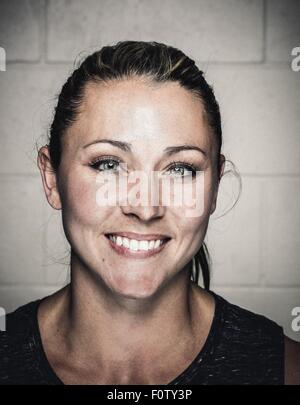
113 165
107 164
184 167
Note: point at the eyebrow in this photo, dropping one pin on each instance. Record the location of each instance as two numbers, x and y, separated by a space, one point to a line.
171 150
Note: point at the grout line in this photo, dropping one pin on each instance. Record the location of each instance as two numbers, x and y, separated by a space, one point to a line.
30 175
263 231
29 286
259 288
36 65
23 62
270 175
46 217
264 21
43 33
245 65
46 8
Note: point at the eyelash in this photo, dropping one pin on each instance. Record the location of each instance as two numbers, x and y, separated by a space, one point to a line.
95 163
190 167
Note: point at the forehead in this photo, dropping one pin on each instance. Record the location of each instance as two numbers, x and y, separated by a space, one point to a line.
139 110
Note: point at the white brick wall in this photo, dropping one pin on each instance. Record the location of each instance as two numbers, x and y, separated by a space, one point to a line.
20 29
282 29
244 46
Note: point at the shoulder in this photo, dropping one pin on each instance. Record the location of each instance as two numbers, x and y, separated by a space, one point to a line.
292 361
17 325
20 320
252 327
251 344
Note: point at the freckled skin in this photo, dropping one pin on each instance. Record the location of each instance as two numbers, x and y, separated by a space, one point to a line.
123 308
150 118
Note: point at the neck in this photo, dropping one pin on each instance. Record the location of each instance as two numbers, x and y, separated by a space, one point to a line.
99 315
102 328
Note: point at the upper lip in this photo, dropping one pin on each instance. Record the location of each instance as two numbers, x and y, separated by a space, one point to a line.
140 236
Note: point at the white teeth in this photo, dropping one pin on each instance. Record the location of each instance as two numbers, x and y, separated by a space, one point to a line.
119 241
126 243
156 244
143 245
134 244
151 244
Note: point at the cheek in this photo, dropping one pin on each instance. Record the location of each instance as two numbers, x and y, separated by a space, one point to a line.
80 203
192 218
196 199
193 230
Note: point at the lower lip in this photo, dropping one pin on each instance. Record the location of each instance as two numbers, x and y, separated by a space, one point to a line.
136 254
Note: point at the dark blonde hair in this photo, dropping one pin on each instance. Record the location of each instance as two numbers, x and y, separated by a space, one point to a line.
159 63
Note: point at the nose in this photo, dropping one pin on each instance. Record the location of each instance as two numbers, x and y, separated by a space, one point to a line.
143 202
144 213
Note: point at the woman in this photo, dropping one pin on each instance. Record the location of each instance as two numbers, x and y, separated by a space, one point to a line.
133 312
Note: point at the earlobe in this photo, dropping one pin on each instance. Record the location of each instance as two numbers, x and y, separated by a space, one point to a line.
49 178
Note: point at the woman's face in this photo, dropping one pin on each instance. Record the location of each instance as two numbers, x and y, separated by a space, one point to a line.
143 119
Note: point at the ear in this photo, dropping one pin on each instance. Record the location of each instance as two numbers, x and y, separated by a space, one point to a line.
221 171
49 178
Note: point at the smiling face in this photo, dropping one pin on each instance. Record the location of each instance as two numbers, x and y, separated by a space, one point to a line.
134 122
